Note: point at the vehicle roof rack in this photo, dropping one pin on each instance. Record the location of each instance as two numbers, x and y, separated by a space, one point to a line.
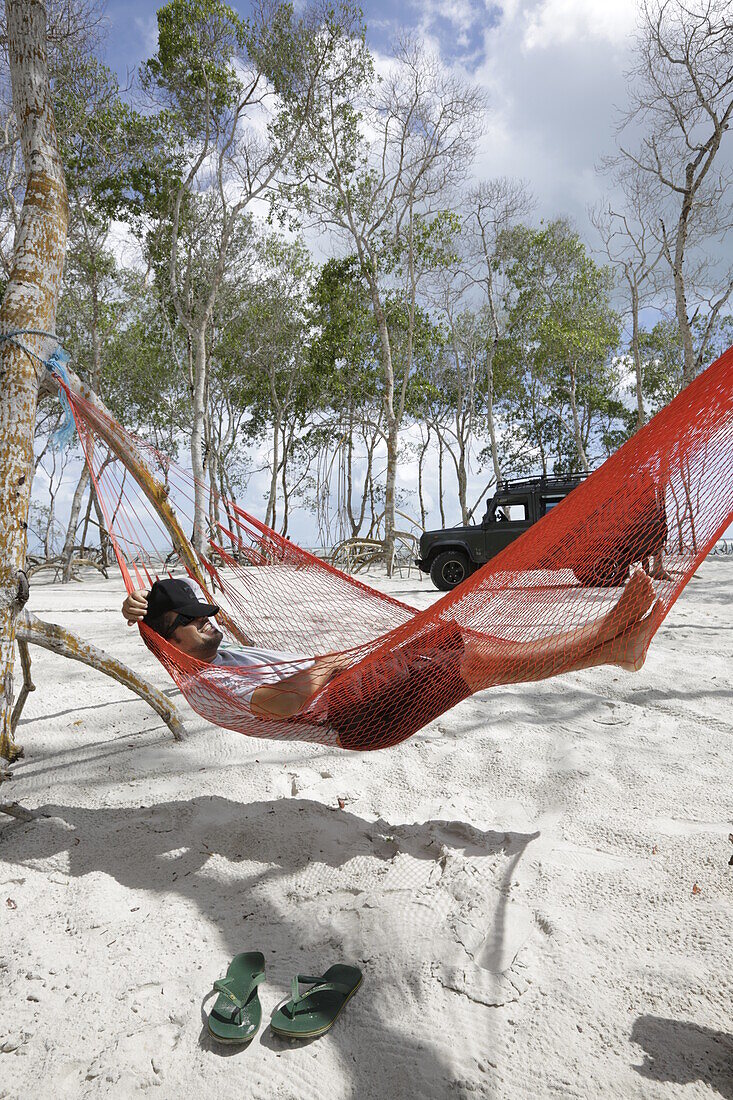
509 484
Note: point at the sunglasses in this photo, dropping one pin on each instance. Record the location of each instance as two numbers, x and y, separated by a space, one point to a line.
181 620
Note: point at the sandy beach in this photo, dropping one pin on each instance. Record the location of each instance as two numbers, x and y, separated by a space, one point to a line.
536 886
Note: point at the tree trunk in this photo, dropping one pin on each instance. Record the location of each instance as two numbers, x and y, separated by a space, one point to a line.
284 485
490 420
462 475
198 398
271 512
420 467
29 302
440 480
67 553
392 431
683 321
349 471
577 431
636 352
104 540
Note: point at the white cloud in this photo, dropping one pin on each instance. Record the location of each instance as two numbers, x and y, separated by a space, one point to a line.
557 22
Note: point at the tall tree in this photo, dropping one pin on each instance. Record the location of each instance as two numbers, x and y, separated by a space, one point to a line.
383 160
218 77
492 209
565 332
682 94
29 302
627 231
345 358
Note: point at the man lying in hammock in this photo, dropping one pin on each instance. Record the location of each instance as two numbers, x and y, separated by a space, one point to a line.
380 702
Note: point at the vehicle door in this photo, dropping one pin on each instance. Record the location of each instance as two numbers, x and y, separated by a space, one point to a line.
505 520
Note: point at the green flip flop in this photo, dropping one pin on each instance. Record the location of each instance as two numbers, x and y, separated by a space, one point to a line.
306 1015
237 1011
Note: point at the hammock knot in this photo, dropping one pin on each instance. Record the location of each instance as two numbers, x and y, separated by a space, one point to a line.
56 366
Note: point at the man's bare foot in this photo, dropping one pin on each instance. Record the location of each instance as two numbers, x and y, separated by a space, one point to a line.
635 600
629 648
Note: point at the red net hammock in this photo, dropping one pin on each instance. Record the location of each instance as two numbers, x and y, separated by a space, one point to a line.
570 593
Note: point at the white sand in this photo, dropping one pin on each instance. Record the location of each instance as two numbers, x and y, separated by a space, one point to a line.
516 883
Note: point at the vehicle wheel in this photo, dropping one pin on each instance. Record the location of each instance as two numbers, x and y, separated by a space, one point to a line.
603 574
449 569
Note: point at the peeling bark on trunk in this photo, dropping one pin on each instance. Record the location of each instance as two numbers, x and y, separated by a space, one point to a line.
29 303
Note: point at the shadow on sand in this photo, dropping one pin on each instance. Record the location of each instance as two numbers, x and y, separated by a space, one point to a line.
272 840
681 1053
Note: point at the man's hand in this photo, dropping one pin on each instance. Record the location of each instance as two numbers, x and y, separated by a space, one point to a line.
135 606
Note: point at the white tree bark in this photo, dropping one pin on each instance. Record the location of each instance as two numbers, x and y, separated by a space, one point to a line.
29 303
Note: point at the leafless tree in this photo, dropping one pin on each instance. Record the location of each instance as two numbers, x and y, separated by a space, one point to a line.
681 93
627 232
490 210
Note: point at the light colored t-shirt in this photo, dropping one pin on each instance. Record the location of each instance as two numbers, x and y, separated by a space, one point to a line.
264 666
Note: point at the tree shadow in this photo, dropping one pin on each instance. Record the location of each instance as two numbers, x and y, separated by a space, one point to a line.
681 1052
165 849
77 709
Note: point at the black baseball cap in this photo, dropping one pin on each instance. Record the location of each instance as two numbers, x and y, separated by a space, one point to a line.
176 595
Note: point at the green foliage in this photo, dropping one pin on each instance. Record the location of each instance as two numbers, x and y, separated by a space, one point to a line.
198 41
344 348
563 333
663 357
116 161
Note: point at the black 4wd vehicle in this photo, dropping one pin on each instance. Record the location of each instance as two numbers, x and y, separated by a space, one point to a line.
451 555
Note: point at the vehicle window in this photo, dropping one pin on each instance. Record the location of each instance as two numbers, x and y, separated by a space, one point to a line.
548 503
506 512
516 513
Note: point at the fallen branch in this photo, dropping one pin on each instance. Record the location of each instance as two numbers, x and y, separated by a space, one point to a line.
14 809
58 564
27 688
58 639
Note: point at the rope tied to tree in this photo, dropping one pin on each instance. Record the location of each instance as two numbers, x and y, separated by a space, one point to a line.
56 366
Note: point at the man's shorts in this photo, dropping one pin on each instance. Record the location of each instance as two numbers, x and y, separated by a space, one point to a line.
391 697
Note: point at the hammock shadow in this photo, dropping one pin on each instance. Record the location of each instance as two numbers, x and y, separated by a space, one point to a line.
212 825
180 847
682 1052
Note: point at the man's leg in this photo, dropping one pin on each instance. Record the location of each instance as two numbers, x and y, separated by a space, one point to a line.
491 661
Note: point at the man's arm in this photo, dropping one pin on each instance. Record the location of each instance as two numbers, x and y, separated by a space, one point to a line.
288 697
135 606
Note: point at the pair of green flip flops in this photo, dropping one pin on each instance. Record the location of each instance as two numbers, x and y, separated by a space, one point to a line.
237 1012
